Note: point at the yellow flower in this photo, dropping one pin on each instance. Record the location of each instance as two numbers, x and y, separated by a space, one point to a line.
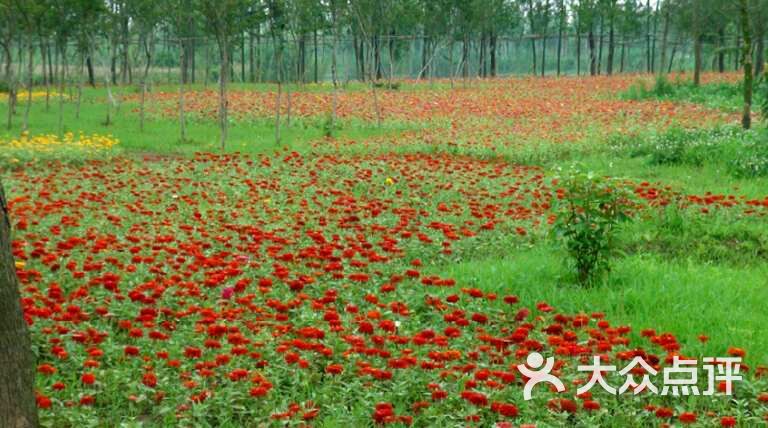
20 264
389 181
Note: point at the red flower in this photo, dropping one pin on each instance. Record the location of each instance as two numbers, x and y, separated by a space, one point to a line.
727 421
562 405
687 417
334 369
591 405
43 402
88 378
504 409
149 379
477 398
46 369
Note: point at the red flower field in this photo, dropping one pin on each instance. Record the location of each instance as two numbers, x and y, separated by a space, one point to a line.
288 287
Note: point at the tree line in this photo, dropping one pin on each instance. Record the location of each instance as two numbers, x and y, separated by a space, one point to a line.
55 42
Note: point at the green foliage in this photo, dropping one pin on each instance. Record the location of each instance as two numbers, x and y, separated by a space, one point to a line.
752 160
723 96
589 209
743 153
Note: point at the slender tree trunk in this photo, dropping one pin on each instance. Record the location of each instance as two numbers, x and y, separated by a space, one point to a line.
80 77
648 66
377 56
543 54
559 41
46 59
746 55
206 77
9 77
50 64
278 66
533 54
721 50
623 53
600 46
30 82
63 53
697 59
251 62
759 53
424 55
182 118
314 45
18 407
224 48
578 51
334 98
465 57
148 47
611 46
592 56
493 54
664 35
653 41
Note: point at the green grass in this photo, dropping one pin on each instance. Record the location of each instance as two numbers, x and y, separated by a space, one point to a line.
162 135
687 298
722 96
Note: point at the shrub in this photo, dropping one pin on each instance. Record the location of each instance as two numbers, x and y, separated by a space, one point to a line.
588 210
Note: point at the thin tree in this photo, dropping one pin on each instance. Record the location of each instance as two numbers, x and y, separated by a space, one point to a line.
746 58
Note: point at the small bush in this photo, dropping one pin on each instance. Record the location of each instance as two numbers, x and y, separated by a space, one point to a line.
588 210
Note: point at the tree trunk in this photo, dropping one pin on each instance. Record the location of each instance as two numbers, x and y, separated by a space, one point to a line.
314 45
44 54
611 46
465 57
30 82
559 41
334 100
759 54
9 78
125 72
63 53
648 68
543 53
278 66
251 70
18 407
664 35
493 54
721 50
148 47
653 42
697 59
182 121
424 55
578 52
592 56
533 54
600 47
224 48
746 116
80 77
